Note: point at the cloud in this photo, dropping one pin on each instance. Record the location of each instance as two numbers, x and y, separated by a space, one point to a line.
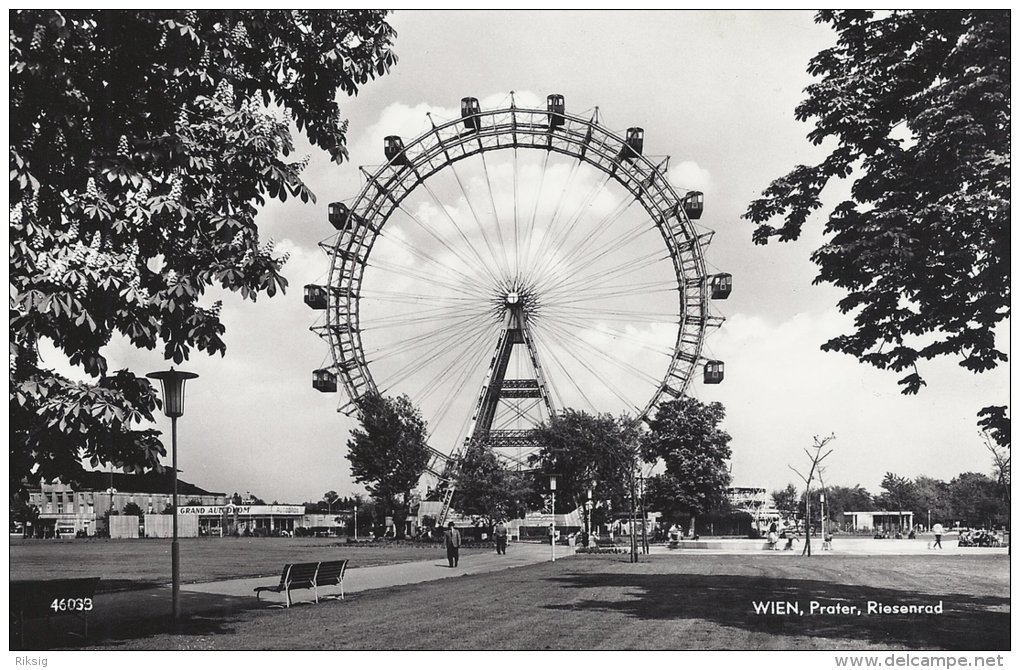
689 176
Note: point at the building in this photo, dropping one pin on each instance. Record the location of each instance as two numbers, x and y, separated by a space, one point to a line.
66 509
227 519
880 520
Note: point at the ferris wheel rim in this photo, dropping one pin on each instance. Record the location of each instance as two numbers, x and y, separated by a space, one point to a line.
348 262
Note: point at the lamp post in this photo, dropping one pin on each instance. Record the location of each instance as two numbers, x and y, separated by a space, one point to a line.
355 523
588 517
109 513
552 526
821 504
172 382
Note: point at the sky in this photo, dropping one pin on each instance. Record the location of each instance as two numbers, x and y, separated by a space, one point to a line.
715 91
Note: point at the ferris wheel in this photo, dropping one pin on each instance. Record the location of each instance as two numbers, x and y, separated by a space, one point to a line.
513 261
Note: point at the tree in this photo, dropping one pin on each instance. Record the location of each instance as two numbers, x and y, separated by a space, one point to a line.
787 500
916 105
586 452
132 509
840 499
900 494
1002 474
388 454
932 496
488 489
142 145
23 513
686 436
975 500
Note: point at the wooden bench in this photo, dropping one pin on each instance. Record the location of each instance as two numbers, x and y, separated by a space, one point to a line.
331 573
308 576
31 599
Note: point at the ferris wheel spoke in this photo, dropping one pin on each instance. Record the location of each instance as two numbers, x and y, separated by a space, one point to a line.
580 259
470 364
478 269
421 362
475 344
571 307
462 235
551 258
612 291
551 225
534 211
421 316
416 298
478 223
568 334
550 241
442 267
582 246
405 272
554 361
517 236
605 274
495 216
401 347
616 333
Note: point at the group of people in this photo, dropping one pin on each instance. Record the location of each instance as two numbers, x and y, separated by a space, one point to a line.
452 541
979 538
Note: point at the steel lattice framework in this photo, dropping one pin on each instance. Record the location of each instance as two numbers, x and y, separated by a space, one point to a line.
490 131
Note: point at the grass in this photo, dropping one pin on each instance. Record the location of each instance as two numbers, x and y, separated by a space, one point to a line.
139 563
664 602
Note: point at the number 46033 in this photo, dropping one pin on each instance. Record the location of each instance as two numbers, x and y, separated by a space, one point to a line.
71 604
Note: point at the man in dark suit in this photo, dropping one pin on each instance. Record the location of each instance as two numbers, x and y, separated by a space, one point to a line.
452 539
500 532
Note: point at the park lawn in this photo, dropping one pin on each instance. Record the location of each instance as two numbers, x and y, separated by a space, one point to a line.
664 602
146 562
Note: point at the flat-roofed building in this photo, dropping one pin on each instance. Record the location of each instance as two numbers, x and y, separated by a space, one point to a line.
67 508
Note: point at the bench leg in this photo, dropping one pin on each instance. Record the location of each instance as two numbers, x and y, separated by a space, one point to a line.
342 590
288 598
315 589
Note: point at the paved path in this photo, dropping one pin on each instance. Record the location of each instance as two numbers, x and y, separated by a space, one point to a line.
397 574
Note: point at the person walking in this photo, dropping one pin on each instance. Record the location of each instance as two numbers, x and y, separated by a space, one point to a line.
452 539
500 532
938 530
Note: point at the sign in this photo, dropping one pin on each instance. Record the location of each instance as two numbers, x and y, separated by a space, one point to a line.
245 510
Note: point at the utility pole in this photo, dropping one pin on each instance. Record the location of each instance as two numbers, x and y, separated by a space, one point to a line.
633 529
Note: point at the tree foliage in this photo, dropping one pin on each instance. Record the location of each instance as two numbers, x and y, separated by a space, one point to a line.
587 452
142 144
916 106
933 495
898 493
686 435
787 500
976 500
487 488
388 454
839 499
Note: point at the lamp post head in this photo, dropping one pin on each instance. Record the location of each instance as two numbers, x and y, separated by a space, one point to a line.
172 381
552 482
